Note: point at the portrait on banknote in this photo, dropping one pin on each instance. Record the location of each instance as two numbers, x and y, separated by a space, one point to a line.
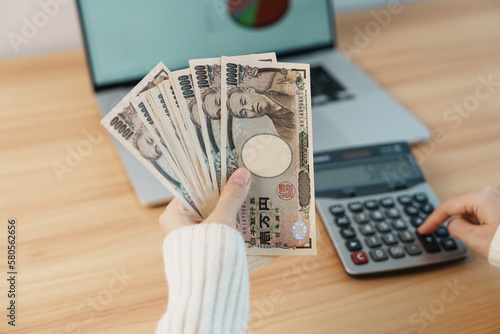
274 101
210 105
145 144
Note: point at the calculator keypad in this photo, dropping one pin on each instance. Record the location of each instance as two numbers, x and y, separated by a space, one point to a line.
384 228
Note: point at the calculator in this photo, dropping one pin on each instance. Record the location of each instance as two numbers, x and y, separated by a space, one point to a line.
372 200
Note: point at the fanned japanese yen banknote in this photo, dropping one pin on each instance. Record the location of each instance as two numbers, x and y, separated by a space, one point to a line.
126 126
193 127
206 79
266 127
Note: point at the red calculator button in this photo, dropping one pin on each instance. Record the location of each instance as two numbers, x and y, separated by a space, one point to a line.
359 257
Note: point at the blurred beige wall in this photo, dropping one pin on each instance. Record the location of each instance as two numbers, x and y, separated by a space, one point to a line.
39 26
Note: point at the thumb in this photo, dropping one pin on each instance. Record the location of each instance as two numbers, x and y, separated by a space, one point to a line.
477 237
232 197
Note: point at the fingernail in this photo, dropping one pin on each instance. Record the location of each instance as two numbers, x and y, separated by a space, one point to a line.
242 176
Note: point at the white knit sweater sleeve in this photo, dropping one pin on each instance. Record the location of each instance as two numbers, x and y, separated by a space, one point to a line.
207 274
494 255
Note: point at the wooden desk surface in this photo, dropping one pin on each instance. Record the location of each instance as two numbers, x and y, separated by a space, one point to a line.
90 256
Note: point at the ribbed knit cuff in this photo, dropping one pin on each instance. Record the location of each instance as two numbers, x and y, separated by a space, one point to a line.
494 255
207 274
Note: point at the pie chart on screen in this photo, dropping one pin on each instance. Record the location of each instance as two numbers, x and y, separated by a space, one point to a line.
257 13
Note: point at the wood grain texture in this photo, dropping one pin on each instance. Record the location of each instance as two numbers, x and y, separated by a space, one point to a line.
78 234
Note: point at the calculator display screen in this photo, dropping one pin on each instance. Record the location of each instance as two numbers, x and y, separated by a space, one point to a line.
386 171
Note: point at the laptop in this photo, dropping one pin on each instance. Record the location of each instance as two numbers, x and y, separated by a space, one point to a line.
125 39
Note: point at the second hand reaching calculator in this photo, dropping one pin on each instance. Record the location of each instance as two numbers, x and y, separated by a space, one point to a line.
372 199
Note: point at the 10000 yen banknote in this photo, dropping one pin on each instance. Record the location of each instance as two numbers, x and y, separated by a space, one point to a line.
206 79
183 86
127 127
266 128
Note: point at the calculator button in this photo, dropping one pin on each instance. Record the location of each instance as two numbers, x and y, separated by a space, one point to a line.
371 205
377 215
337 210
399 224
353 245
361 218
355 207
420 198
406 236
389 239
448 244
405 199
427 208
342 221
378 254
383 227
411 211
417 221
373 241
442 232
396 251
367 229
393 213
429 242
359 257
387 202
348 233
413 249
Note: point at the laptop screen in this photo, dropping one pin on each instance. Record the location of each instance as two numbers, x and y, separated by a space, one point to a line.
126 38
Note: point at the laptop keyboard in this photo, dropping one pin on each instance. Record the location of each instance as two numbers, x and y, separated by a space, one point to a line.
325 88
